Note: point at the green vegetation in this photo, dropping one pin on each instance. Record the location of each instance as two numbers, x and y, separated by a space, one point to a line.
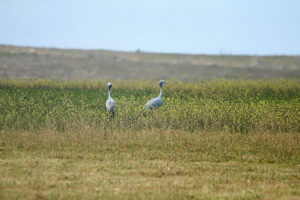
232 106
220 139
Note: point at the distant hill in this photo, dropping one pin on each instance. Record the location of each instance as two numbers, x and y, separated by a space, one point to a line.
29 62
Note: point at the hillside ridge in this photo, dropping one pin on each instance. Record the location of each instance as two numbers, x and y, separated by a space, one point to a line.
37 62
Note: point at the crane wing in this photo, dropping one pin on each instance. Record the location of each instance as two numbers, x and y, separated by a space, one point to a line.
154 103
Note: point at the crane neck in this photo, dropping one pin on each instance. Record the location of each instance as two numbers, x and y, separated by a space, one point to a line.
109 93
161 92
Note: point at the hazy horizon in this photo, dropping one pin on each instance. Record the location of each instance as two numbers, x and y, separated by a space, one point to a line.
193 27
143 51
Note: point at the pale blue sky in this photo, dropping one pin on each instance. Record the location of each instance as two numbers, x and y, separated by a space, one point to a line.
189 26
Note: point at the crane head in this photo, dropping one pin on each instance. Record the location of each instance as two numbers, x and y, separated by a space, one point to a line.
109 85
161 83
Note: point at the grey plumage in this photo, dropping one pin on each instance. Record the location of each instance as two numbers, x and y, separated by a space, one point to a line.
156 102
110 103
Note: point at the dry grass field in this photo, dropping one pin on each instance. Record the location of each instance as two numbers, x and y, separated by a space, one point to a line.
149 164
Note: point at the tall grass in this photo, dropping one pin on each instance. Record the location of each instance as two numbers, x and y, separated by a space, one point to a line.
231 106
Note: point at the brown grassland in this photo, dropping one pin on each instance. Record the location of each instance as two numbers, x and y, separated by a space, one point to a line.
148 164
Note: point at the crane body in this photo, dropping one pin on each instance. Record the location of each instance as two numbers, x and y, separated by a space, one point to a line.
110 103
156 102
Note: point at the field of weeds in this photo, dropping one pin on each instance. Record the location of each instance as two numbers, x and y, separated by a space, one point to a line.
220 105
220 139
